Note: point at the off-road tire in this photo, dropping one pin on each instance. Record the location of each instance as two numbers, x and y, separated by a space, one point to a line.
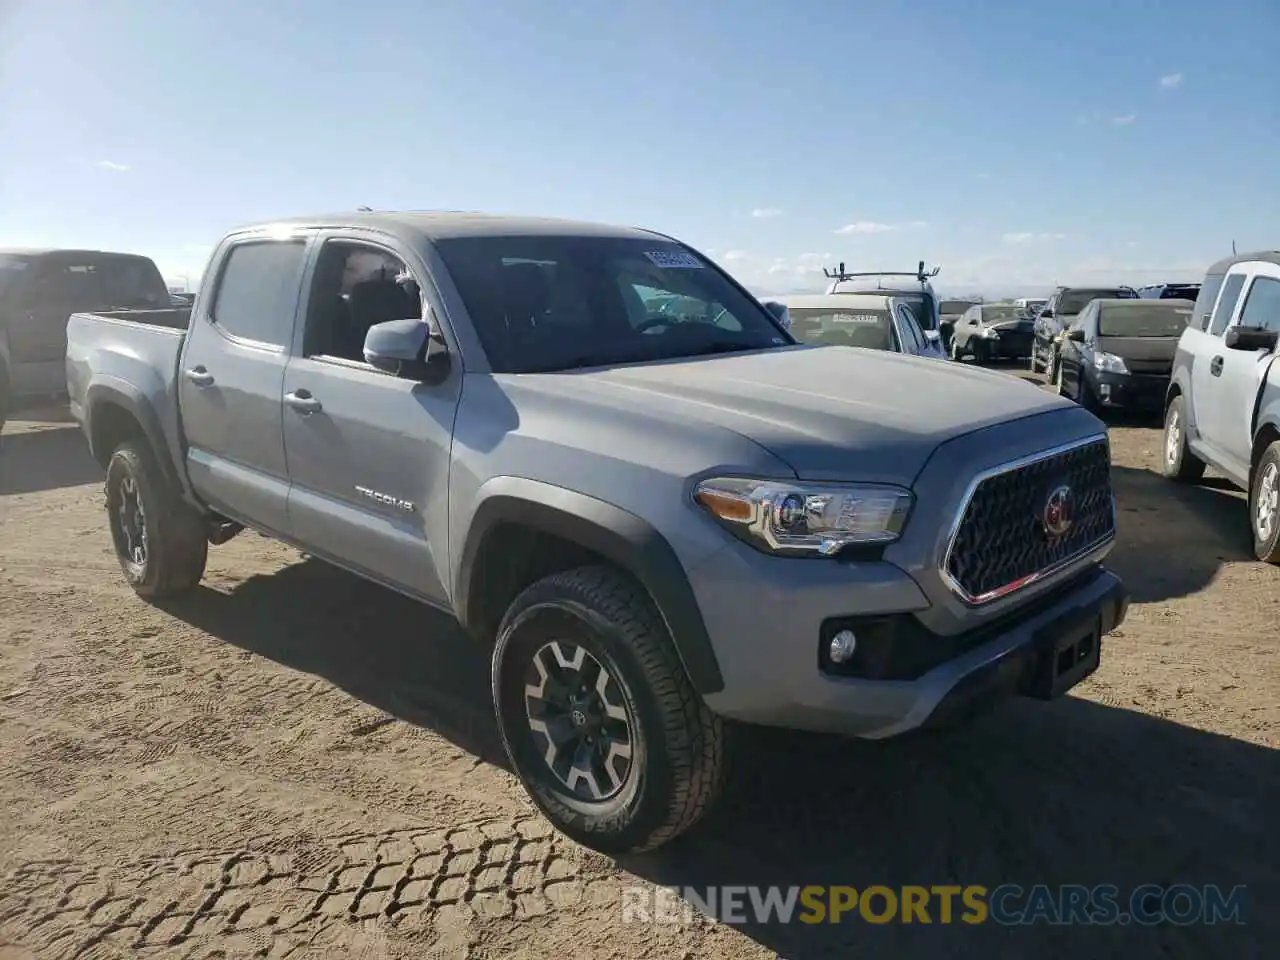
1181 465
1266 547
177 546
678 745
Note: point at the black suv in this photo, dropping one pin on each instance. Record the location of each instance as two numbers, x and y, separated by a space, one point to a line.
1064 306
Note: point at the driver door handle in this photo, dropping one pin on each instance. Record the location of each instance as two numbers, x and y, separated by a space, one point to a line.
1215 367
302 401
200 376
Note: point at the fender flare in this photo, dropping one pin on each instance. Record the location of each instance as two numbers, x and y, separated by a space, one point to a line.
619 536
125 395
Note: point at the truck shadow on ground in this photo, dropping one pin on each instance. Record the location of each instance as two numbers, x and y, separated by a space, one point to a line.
47 458
1068 792
1173 538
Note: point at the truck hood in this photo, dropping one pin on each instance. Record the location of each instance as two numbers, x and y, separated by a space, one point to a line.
829 412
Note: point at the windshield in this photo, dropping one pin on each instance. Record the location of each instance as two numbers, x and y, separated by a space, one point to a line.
545 303
1151 319
1073 301
1000 312
857 327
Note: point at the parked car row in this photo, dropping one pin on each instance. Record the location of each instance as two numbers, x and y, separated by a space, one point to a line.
657 507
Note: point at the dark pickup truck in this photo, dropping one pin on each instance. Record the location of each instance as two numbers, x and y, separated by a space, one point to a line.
656 521
40 289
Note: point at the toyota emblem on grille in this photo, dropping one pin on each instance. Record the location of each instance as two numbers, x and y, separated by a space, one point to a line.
1057 516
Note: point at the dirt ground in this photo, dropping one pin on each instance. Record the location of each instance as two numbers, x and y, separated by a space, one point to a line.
292 762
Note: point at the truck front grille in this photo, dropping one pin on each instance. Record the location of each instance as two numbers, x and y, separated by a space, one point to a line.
1027 520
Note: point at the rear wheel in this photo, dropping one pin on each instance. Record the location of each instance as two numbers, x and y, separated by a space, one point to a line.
159 538
1264 505
597 715
1178 462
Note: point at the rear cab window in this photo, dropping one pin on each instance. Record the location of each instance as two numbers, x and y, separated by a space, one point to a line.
257 294
855 327
98 282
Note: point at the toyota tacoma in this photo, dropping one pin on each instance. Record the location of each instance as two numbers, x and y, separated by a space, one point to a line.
660 522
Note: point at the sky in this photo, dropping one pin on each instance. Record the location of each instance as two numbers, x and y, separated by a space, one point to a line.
1016 145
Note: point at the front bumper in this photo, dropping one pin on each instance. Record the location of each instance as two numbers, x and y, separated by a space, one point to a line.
1013 346
1130 391
771 645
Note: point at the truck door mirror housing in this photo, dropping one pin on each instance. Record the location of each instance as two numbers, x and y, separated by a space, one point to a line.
1250 338
1076 335
412 349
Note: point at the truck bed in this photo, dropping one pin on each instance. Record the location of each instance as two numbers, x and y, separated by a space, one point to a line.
134 355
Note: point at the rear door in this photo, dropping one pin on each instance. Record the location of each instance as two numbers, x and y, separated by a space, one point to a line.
230 383
1243 371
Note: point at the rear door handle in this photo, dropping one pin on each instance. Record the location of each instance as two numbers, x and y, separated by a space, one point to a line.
200 376
302 401
1215 367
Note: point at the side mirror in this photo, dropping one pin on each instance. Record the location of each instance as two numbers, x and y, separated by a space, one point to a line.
410 349
1250 338
1077 335
1047 313
780 313
933 336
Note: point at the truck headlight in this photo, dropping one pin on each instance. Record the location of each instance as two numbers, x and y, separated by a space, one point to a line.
801 519
990 333
1109 363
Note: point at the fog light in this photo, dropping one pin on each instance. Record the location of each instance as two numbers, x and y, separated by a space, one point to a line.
843 645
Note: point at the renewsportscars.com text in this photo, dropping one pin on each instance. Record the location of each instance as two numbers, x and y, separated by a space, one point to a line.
1008 904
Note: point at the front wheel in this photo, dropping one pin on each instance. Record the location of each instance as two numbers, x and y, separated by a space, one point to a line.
1264 505
159 539
954 351
598 716
1178 462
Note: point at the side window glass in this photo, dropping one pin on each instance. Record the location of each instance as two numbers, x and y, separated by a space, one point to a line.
354 287
1204 301
1262 306
257 292
1226 304
913 341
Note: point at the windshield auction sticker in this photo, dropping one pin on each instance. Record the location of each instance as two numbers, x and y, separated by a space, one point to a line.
674 259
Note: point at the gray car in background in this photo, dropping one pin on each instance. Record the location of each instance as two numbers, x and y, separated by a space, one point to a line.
657 509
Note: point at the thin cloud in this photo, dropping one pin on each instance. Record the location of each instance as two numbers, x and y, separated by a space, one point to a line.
1031 237
762 212
1124 121
865 226
112 165
734 255
1171 81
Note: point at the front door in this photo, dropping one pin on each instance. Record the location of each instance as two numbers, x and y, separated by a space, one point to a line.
1208 393
230 381
1243 371
368 452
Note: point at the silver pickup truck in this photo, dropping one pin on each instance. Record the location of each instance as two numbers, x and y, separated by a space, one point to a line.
658 523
